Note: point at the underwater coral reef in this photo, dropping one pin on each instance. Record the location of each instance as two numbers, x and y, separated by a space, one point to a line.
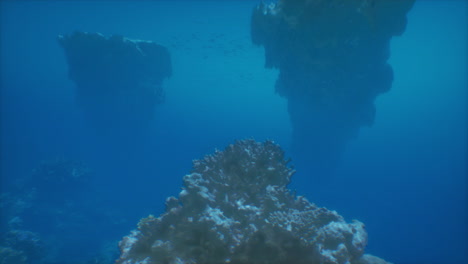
47 216
235 207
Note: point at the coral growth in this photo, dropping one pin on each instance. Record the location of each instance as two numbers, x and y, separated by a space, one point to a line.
28 243
47 214
235 208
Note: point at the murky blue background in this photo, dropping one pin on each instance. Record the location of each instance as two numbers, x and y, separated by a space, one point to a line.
404 177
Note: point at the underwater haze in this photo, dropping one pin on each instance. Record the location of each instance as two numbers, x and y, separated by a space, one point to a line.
404 176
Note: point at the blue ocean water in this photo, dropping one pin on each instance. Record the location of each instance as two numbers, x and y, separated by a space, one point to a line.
404 177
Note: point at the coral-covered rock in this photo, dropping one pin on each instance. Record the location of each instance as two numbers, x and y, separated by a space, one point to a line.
235 207
332 60
19 246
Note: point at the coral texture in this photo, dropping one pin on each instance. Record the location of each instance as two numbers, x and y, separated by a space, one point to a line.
235 207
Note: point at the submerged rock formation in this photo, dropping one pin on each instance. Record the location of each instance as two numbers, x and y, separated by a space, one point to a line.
332 60
235 208
119 81
58 202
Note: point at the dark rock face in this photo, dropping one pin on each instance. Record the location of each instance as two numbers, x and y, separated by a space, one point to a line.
119 81
235 208
332 57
